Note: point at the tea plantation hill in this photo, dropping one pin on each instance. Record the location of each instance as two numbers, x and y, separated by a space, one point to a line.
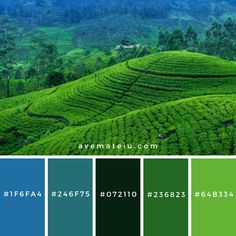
183 102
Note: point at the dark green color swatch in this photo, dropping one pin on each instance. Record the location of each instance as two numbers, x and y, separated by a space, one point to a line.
70 197
118 215
166 197
213 197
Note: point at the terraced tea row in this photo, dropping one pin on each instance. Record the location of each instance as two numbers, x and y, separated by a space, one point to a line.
18 129
151 100
184 64
119 87
199 126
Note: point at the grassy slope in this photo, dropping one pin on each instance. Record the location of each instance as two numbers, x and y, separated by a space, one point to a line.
178 100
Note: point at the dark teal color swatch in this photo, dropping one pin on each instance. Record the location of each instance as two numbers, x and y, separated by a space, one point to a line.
70 197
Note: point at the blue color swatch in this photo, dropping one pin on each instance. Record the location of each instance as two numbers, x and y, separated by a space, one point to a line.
22 197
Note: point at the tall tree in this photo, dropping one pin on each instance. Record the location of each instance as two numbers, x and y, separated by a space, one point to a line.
171 40
8 36
230 28
191 38
176 40
220 40
46 57
163 39
213 39
215 32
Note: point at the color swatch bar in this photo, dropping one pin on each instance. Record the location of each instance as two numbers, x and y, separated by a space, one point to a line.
118 203
22 197
166 197
70 197
118 197
213 197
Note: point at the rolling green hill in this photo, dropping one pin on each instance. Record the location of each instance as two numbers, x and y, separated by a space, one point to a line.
166 103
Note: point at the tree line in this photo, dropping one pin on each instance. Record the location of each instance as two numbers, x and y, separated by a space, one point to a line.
219 40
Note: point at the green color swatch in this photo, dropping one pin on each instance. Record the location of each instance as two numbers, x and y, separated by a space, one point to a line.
166 197
70 197
213 197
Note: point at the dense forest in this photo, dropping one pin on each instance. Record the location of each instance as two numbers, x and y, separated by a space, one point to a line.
73 11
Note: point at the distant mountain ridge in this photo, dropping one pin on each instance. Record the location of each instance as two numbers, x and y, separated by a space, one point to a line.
73 11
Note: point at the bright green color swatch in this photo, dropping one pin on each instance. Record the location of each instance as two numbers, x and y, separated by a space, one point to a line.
166 197
213 197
